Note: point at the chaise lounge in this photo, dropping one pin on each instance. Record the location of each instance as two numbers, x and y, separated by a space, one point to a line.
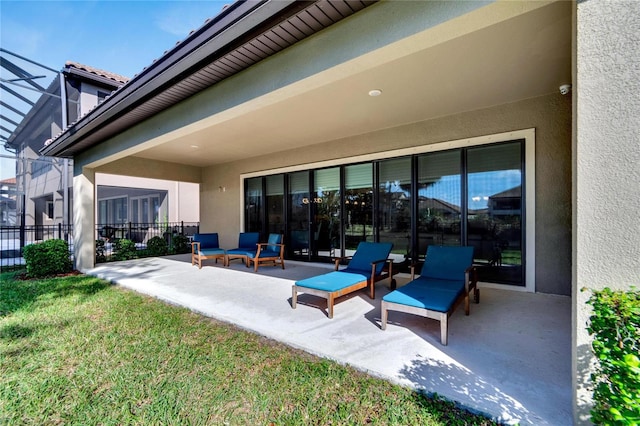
368 265
446 279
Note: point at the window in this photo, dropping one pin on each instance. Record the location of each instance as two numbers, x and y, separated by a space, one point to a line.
49 209
466 194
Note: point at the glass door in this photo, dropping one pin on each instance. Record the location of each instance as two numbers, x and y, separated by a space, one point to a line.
394 213
275 204
439 200
299 215
358 206
325 205
494 214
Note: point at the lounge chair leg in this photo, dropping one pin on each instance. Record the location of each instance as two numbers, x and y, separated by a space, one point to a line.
444 329
330 305
383 316
294 297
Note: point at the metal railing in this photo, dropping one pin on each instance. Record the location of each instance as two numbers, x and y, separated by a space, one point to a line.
14 238
109 237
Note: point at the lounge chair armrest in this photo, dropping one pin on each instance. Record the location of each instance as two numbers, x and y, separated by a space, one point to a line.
471 278
195 246
337 260
375 262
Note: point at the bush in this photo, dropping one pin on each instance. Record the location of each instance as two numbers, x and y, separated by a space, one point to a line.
615 325
157 246
180 244
47 258
124 250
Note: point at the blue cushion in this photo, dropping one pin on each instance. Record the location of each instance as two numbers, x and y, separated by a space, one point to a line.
268 253
447 262
211 252
366 253
419 296
248 240
437 284
274 239
333 281
241 252
209 240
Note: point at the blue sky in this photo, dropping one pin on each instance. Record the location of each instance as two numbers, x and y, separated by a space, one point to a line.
117 36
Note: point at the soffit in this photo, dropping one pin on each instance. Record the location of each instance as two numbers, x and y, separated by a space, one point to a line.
522 57
305 19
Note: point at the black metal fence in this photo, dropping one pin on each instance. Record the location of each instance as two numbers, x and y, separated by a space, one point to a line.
109 237
14 238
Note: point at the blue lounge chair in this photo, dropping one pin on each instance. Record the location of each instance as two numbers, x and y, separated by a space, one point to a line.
446 279
368 265
205 246
271 252
247 246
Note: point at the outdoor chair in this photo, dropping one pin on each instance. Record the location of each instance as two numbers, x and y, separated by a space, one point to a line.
205 246
368 265
271 252
446 279
247 246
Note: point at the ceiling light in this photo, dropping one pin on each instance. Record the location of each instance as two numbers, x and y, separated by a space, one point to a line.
375 92
195 146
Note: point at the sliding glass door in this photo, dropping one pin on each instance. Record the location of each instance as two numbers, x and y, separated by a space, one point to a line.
494 215
465 196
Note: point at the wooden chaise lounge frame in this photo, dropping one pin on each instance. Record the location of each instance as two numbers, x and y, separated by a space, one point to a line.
442 293
380 269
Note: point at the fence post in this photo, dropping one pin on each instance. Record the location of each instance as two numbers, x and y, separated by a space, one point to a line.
182 227
59 231
130 235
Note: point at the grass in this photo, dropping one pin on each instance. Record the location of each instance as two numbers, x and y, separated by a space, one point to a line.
76 350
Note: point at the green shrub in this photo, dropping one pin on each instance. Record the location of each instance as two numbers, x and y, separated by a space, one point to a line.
47 258
124 250
180 244
615 325
101 251
157 246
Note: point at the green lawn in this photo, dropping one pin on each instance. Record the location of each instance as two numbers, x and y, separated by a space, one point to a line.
76 350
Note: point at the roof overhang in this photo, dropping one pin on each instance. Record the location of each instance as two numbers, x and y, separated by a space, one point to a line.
243 34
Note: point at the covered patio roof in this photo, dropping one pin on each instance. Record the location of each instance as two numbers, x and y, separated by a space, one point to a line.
497 53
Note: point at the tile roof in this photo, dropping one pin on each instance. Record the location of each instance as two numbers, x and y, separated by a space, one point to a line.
106 74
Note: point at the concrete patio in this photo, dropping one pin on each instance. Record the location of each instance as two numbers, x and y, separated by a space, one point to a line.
510 359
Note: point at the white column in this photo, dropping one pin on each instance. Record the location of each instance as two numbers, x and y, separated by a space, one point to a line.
84 234
606 147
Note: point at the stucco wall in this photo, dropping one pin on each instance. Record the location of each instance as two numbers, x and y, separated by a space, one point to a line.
607 165
551 117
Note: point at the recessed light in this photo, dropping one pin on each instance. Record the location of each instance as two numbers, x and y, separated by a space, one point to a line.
375 92
195 146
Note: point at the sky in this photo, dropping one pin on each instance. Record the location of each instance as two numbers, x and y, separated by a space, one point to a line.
122 37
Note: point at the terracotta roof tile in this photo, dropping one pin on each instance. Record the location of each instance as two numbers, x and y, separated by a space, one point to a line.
99 72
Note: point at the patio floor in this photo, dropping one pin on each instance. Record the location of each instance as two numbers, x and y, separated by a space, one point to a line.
510 359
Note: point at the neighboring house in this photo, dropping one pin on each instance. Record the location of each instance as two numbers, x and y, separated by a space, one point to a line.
8 202
46 182
296 115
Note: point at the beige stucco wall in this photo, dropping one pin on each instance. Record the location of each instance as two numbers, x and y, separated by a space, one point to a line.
550 116
606 166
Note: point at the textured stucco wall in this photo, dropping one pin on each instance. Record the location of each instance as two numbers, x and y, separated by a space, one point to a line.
607 165
549 115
